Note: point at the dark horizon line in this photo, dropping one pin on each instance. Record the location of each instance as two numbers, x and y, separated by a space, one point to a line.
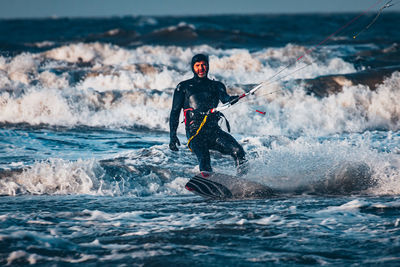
55 17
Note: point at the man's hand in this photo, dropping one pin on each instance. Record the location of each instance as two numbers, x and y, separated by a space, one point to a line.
173 142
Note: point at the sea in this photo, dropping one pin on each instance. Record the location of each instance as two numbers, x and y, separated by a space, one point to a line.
87 177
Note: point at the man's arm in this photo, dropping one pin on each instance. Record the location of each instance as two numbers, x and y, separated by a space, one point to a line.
177 104
223 95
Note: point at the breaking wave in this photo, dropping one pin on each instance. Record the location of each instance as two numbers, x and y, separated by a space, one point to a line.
105 85
304 165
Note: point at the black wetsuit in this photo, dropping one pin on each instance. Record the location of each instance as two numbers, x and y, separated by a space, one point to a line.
196 96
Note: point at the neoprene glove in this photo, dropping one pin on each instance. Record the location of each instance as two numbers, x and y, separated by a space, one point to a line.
173 142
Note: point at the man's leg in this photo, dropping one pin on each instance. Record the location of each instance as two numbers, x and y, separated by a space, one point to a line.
200 148
226 144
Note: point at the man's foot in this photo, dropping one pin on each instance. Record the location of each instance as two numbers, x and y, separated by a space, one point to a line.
242 169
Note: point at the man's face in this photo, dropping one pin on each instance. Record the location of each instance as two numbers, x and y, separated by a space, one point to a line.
200 68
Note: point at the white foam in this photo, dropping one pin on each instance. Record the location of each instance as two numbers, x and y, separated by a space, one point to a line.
97 215
43 44
388 176
35 107
54 100
60 177
50 80
20 254
353 205
39 222
308 164
177 186
53 177
113 67
173 28
23 64
74 53
22 69
72 107
355 109
273 219
239 66
130 80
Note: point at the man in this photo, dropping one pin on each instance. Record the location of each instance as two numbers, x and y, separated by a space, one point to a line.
197 96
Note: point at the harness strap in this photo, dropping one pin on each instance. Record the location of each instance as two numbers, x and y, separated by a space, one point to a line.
226 122
197 132
201 126
184 113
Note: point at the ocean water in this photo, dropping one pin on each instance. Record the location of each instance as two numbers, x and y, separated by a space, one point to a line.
86 176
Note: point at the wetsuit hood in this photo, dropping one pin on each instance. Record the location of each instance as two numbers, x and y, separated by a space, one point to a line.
198 58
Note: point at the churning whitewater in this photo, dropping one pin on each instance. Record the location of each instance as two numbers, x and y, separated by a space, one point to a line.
86 175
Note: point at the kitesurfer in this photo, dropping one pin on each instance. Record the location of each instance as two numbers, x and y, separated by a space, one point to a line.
197 96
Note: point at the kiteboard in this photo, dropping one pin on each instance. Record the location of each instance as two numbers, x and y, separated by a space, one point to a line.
223 186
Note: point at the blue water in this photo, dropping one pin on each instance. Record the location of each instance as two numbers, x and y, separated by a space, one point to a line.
187 230
86 176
